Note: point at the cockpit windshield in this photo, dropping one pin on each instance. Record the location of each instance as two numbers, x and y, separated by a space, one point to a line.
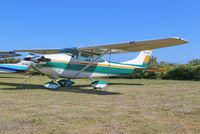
81 55
69 51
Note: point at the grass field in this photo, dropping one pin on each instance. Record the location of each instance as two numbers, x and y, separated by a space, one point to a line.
125 107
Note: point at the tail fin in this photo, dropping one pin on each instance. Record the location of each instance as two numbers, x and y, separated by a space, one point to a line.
142 59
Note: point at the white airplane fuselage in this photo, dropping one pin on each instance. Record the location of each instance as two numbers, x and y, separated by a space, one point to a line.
66 66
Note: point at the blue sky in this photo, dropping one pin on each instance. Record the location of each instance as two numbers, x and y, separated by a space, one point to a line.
30 24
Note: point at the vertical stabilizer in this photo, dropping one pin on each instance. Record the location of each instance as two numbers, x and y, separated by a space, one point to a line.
142 59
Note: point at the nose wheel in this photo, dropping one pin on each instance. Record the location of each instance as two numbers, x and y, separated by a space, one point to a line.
51 85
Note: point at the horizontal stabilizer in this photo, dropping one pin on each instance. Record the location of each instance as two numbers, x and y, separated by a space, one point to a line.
151 69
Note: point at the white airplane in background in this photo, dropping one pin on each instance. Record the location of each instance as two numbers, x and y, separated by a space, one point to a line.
20 67
88 62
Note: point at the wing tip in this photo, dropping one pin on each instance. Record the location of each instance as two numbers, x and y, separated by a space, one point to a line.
181 39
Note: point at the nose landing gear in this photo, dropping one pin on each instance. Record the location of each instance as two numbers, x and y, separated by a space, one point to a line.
54 85
67 82
51 85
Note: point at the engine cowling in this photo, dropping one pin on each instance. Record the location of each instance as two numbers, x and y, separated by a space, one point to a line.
38 59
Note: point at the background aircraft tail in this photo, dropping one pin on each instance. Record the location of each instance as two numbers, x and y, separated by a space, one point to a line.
142 59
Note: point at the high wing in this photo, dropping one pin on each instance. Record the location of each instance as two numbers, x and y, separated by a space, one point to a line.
127 47
8 54
135 46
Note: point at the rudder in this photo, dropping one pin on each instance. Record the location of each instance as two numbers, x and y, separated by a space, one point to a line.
142 59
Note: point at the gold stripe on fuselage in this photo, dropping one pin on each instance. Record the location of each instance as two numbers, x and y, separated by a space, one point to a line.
104 65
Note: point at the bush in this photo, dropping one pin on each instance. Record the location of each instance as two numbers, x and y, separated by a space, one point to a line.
181 72
196 72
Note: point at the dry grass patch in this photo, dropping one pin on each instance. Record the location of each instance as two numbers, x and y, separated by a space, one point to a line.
126 106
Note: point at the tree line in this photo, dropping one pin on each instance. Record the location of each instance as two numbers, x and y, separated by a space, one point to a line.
189 71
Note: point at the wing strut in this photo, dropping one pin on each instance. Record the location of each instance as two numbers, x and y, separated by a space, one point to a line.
83 69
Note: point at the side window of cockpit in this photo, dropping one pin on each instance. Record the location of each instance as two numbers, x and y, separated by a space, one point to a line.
101 60
85 58
90 59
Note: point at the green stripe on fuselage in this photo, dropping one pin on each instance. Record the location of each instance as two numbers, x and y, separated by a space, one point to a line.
92 68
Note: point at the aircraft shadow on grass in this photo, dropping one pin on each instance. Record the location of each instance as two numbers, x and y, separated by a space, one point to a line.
74 89
134 84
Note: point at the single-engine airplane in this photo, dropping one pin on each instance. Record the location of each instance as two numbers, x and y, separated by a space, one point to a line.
88 62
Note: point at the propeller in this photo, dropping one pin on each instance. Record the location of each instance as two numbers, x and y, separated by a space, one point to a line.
43 59
38 59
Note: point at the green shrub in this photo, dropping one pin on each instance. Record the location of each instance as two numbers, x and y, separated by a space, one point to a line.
196 72
181 72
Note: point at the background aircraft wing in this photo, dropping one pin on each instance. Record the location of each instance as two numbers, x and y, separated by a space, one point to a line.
40 51
127 47
8 54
